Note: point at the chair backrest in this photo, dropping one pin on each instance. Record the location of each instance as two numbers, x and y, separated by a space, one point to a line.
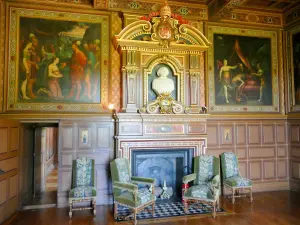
83 172
120 170
229 165
206 167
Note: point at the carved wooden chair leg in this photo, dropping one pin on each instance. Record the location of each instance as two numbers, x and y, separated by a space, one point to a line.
70 212
134 217
251 197
94 207
153 208
233 192
214 209
186 206
115 211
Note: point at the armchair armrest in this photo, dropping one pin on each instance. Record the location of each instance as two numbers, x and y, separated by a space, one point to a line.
215 186
215 182
143 180
125 186
188 178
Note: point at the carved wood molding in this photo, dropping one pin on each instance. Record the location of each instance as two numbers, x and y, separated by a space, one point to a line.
219 7
100 4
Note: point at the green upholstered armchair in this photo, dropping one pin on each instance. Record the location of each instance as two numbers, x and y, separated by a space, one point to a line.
206 186
83 186
231 177
125 189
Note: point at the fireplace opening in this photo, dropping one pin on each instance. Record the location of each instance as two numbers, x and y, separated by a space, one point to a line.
166 166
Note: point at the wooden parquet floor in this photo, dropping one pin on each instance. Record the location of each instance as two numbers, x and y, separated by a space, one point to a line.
268 208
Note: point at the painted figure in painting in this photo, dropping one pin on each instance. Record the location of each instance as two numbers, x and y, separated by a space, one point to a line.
55 66
163 84
260 74
225 78
26 66
53 79
243 71
77 66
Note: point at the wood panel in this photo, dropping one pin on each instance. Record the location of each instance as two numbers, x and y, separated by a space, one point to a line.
3 139
9 163
261 146
99 146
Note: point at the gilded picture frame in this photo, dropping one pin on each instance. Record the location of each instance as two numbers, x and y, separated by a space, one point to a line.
63 68
248 82
293 65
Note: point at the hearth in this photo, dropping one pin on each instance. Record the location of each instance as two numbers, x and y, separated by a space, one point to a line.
167 166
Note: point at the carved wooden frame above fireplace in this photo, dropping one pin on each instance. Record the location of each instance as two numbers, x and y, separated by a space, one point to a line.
145 131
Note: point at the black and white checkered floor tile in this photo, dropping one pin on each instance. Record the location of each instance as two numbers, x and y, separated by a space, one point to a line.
167 210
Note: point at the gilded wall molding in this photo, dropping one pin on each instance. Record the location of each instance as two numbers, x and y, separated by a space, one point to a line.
115 77
100 4
144 6
218 7
2 52
254 18
292 106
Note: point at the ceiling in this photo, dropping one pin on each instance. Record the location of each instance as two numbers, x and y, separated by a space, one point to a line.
264 5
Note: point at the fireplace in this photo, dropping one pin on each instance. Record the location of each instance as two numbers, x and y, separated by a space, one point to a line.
166 166
161 146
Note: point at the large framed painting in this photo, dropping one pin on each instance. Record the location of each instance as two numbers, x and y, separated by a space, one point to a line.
293 62
56 61
242 70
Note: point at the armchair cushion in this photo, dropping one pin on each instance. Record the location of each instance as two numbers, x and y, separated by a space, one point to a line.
83 192
202 191
238 181
142 197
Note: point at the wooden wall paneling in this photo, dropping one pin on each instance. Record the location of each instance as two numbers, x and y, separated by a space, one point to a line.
295 166
243 168
9 163
3 139
270 169
255 170
99 146
254 134
295 134
241 153
281 134
282 168
262 152
268 133
241 134
213 135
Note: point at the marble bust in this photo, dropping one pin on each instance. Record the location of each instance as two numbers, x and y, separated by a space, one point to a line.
162 84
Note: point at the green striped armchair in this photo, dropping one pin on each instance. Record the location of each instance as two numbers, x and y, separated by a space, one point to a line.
126 191
231 177
206 183
83 184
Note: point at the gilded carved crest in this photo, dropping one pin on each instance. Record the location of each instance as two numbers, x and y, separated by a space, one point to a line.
165 28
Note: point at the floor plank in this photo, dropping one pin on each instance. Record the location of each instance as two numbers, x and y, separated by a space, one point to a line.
268 208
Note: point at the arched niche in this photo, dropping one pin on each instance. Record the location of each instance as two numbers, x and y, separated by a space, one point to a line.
162 39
